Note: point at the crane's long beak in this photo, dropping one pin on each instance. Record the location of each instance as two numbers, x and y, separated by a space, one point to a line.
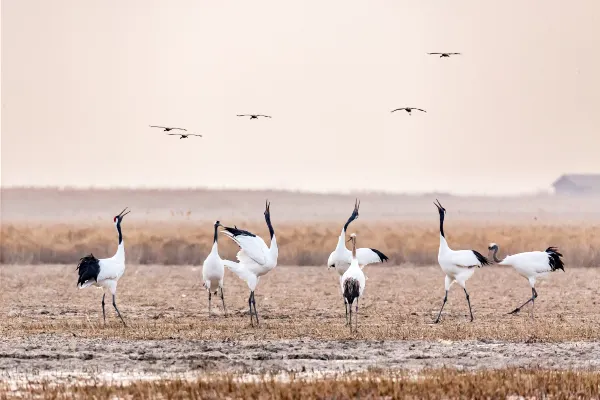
121 215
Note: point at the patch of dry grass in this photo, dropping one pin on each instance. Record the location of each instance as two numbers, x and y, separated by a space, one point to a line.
432 384
300 244
161 302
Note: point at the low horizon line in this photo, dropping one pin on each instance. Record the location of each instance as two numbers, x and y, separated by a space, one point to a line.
533 193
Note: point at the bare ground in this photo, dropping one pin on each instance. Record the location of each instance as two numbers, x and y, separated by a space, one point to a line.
47 324
167 358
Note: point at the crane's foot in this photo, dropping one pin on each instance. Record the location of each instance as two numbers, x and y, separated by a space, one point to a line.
515 311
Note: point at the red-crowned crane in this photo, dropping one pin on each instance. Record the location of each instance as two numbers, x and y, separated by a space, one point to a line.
213 271
255 258
105 272
353 283
531 265
458 265
341 257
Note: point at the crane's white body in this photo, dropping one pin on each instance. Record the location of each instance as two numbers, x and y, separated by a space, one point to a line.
458 265
255 259
111 270
354 272
213 270
531 265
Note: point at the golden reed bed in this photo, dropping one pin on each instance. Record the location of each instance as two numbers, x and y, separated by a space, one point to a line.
187 243
433 384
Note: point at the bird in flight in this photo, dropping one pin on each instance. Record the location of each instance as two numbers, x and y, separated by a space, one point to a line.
445 54
409 109
183 136
166 128
253 116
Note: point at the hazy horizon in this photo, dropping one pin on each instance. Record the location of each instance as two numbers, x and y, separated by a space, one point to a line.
82 81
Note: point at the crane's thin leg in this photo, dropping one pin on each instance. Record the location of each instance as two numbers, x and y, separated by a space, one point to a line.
255 312
469 302
346 308
223 300
103 313
350 307
443 304
209 304
250 305
117 310
356 317
533 297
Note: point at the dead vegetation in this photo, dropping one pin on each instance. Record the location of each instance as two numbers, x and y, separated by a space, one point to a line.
168 302
431 384
300 244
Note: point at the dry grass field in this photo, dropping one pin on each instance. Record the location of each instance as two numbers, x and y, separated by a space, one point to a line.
186 243
436 384
50 226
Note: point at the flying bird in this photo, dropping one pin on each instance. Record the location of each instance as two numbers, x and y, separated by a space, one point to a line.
183 136
341 257
531 265
353 284
458 265
255 258
213 271
254 116
105 272
445 54
409 109
167 129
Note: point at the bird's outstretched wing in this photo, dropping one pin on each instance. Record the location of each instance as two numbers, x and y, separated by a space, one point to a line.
420 109
468 258
398 109
435 53
193 134
369 256
244 115
453 54
156 126
266 116
181 129
173 134
251 245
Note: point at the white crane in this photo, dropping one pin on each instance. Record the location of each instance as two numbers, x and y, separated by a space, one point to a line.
531 265
353 283
213 271
458 265
105 272
341 257
255 258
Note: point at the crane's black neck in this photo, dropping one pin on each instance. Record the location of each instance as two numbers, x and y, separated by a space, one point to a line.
442 224
268 220
119 230
495 256
352 218
216 234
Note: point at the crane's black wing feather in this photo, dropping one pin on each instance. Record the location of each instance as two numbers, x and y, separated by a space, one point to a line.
88 268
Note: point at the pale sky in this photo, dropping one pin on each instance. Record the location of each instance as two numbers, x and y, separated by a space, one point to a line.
82 80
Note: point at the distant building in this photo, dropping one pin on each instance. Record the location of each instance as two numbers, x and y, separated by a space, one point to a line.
577 184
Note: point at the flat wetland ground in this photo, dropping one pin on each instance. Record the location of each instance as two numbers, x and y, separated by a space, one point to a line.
53 343
51 330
